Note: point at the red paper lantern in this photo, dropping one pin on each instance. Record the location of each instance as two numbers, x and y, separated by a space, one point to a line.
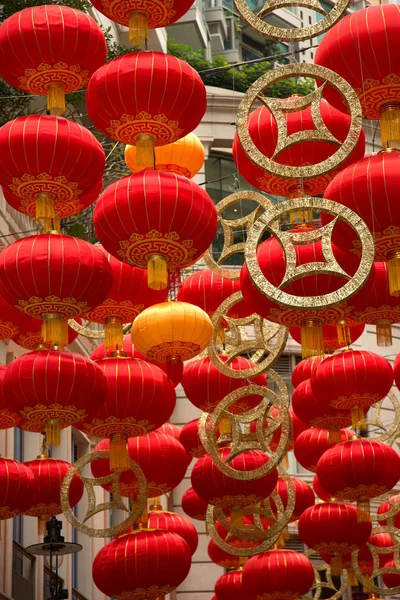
11 320
139 399
161 457
352 380
263 131
205 386
154 562
272 262
304 496
318 414
278 575
311 445
156 221
170 429
50 474
175 523
335 337
18 488
190 439
358 470
52 166
30 333
128 296
320 491
225 492
127 349
369 188
146 99
391 579
365 558
396 370
208 290
304 369
374 305
385 507
333 529
230 587
52 389
194 506
359 48
297 427
49 51
222 558
55 278
8 418
140 17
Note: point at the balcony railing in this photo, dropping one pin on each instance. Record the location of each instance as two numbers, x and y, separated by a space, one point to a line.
23 573
77 595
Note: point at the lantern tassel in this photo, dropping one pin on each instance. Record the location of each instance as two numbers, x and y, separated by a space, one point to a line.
334 436
56 99
363 511
237 516
144 519
394 274
221 335
113 333
384 333
138 28
312 341
351 578
390 126
336 564
225 426
119 458
175 369
145 151
53 432
42 521
343 333
358 418
45 206
55 330
157 272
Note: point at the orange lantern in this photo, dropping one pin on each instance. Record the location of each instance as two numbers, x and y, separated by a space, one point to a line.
184 157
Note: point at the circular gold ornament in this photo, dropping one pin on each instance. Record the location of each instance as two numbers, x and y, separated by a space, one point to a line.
298 34
95 334
117 502
268 222
241 440
229 226
255 531
325 584
279 107
262 340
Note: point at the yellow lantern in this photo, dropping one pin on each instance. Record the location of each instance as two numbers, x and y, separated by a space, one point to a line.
172 332
185 157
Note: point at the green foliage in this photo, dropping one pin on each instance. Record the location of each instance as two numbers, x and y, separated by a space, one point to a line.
239 78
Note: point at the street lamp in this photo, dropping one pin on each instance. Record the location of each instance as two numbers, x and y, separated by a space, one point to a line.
54 546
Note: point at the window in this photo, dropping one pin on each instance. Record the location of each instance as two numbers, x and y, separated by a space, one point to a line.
309 20
301 15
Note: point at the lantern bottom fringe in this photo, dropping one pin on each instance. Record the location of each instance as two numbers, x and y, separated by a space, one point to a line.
56 99
334 436
144 519
358 418
221 335
42 522
363 511
45 206
119 458
138 28
336 564
174 369
157 272
113 333
312 341
394 274
145 156
237 516
384 333
225 426
242 560
351 578
55 330
51 224
343 333
285 462
390 126
53 432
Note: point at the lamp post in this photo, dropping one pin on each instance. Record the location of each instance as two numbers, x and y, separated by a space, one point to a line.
54 546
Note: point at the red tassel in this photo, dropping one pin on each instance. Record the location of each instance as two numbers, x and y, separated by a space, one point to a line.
175 369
